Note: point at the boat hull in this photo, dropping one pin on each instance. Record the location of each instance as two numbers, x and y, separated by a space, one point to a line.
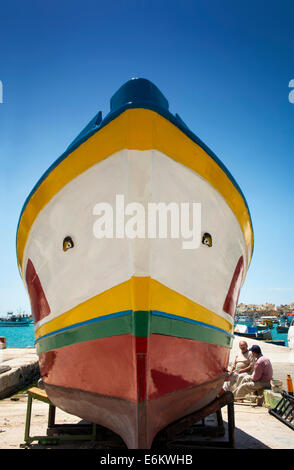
134 332
260 335
105 381
277 342
282 329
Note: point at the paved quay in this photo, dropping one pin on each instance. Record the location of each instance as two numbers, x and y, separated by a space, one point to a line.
19 367
255 427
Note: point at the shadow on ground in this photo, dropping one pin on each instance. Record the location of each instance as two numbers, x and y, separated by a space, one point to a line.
107 440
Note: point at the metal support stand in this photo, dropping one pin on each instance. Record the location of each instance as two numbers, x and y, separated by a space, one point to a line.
171 437
168 437
55 432
284 411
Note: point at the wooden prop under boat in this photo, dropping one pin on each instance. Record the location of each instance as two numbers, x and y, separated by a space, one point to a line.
133 333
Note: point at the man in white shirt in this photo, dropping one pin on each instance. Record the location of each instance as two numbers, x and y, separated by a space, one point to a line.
261 377
241 367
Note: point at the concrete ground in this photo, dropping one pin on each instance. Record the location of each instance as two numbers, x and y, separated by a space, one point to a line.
255 427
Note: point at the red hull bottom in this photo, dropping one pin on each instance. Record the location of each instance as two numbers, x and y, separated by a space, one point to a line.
120 415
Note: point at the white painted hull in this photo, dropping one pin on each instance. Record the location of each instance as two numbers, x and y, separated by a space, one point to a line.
94 265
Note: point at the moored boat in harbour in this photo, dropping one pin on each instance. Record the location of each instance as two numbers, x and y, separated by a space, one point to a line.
282 328
262 326
133 332
277 342
252 332
15 320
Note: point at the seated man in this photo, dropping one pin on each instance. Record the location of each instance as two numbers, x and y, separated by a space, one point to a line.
261 377
242 365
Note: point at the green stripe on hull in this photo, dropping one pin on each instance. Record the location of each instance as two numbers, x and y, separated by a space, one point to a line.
140 324
103 329
182 329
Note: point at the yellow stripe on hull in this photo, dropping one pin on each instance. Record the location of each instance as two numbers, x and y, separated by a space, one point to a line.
138 293
139 129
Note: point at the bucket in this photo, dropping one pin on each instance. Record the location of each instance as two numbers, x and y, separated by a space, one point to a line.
276 386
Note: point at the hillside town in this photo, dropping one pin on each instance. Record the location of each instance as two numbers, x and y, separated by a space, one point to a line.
265 309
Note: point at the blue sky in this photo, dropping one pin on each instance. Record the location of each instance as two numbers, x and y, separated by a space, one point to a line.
223 65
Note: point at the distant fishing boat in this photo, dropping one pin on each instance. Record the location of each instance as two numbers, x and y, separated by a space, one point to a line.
133 333
15 320
264 324
282 328
277 342
252 331
271 318
243 319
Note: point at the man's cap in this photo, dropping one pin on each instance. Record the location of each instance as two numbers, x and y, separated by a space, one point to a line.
255 349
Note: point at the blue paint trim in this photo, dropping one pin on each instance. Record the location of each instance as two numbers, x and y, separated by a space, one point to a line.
136 93
189 320
87 322
129 312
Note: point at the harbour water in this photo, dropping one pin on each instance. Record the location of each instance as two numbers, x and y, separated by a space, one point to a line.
18 336
276 335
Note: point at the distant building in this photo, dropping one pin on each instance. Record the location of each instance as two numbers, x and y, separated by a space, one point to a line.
241 308
264 309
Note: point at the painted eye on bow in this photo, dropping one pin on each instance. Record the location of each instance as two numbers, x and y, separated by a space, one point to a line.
207 239
67 243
